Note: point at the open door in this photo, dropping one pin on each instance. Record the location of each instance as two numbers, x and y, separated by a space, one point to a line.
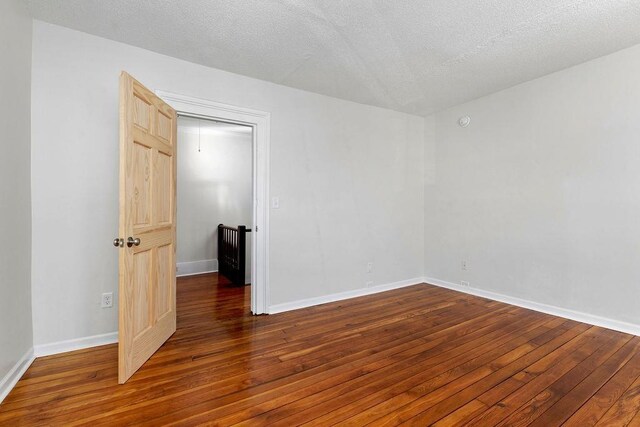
147 270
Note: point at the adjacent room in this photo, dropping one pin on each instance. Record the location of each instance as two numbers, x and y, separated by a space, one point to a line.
214 200
320 213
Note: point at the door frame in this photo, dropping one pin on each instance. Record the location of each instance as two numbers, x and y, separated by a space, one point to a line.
260 122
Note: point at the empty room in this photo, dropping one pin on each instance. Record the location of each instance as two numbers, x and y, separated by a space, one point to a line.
304 212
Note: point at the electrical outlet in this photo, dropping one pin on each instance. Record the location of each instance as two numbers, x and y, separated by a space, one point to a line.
464 283
369 267
275 202
370 284
107 300
463 265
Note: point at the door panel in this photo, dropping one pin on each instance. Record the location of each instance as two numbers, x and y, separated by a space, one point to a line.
164 289
141 185
141 291
162 206
164 127
147 212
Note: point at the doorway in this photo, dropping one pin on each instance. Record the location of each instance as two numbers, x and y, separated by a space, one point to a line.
214 200
256 124
147 217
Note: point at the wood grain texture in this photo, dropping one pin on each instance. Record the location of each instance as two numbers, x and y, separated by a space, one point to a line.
420 355
147 211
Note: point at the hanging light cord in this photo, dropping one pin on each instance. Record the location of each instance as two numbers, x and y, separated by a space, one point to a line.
199 134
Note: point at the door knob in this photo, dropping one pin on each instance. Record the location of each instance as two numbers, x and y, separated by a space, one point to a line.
133 241
118 242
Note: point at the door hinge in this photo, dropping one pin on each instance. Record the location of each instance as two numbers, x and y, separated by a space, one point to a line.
256 228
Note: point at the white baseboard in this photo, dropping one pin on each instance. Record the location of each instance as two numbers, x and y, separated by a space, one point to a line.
13 376
578 316
75 344
196 267
294 305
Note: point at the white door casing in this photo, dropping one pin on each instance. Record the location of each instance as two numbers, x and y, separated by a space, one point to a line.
260 122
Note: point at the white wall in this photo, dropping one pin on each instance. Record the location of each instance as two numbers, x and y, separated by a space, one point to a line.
541 193
349 178
214 187
15 185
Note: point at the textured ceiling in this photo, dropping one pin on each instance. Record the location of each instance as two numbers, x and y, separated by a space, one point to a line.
415 56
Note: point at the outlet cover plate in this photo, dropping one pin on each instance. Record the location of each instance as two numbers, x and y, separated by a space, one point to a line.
107 300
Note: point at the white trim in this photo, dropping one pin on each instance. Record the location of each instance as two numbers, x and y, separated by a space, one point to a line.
578 316
75 344
261 122
192 268
13 376
294 305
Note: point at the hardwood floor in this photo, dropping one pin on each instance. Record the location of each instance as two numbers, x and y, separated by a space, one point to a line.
419 355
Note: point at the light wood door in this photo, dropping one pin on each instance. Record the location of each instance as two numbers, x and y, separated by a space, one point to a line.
147 270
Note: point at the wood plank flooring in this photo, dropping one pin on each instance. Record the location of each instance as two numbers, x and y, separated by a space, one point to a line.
420 355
